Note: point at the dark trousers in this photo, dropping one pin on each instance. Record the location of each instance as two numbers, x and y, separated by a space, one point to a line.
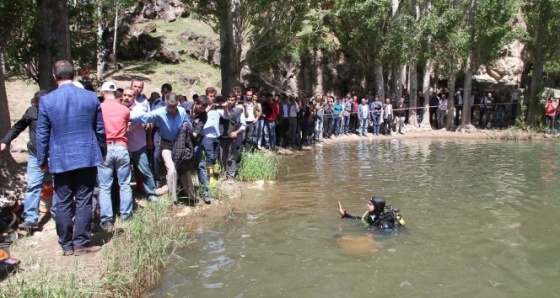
228 156
458 114
248 136
293 123
282 130
77 183
480 115
353 123
433 117
300 132
327 127
156 158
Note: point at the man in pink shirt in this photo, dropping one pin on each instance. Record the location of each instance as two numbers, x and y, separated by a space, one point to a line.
116 118
136 136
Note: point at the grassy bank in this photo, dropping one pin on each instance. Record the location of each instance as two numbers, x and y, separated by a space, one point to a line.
128 264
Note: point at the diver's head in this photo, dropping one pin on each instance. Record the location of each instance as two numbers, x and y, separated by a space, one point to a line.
378 204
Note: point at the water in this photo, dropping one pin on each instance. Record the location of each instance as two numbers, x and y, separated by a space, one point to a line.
482 218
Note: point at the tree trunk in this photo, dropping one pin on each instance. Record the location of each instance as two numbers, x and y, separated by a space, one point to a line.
318 63
237 42
397 81
4 110
227 48
7 162
100 45
115 66
534 91
467 89
466 117
379 83
55 36
413 80
450 124
426 93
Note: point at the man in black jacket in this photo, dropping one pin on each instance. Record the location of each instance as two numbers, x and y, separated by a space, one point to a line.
230 128
34 175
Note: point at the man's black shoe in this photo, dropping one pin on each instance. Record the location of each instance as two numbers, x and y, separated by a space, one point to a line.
29 225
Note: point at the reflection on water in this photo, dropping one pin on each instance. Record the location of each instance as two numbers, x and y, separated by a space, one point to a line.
482 221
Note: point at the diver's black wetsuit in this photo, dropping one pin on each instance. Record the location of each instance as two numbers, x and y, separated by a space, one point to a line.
387 221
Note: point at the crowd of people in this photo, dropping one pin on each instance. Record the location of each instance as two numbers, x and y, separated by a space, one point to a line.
93 145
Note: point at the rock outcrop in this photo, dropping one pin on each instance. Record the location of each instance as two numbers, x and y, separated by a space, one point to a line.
506 70
168 10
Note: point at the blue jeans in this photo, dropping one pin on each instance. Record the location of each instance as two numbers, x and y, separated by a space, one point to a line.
140 159
200 166
345 124
33 190
211 147
117 160
319 129
500 114
258 132
336 125
363 126
270 133
376 123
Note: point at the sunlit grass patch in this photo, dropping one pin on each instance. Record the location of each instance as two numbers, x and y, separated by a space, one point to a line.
258 166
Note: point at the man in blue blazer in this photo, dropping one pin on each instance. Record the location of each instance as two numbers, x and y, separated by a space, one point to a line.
71 143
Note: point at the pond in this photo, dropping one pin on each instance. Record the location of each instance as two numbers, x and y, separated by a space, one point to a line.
482 221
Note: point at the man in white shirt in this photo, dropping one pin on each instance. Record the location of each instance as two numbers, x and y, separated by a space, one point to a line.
250 120
442 111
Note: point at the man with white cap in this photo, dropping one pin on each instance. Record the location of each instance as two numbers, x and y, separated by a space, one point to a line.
115 118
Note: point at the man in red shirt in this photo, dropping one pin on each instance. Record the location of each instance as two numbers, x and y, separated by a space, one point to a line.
550 111
271 110
115 117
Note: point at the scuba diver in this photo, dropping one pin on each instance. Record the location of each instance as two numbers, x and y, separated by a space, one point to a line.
375 217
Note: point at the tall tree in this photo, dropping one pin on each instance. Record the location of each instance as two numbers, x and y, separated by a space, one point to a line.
543 25
362 27
489 28
259 29
467 90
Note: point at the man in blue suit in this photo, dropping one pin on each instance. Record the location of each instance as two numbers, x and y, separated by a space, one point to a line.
71 143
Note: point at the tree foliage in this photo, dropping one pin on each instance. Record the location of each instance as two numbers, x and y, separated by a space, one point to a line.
543 24
268 29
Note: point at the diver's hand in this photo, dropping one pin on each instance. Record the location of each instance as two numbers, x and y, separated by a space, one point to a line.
341 210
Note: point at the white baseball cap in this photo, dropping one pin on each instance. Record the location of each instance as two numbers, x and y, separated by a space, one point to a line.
109 86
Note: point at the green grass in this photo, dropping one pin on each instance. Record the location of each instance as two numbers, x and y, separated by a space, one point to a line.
258 166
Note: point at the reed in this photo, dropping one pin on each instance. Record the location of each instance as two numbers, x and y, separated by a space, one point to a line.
257 166
138 253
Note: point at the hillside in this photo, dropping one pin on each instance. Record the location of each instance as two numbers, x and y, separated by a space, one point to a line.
190 76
